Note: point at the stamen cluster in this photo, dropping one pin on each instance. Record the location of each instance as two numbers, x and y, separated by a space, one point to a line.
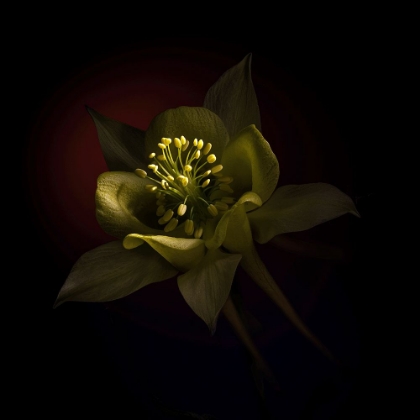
183 182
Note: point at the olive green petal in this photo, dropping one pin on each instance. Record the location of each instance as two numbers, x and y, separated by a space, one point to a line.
294 208
233 98
182 253
239 240
248 158
219 235
122 145
190 122
206 287
124 206
111 272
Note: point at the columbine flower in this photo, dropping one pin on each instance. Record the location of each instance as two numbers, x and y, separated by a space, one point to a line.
189 197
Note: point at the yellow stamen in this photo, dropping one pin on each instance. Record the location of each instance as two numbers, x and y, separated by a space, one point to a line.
216 168
152 155
151 188
160 211
162 146
200 144
205 183
182 209
189 227
171 225
211 158
168 215
177 143
207 148
225 187
212 210
141 173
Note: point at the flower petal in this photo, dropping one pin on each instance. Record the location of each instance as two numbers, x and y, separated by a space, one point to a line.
239 240
294 208
206 287
182 253
248 158
233 98
122 145
216 240
124 206
190 122
111 272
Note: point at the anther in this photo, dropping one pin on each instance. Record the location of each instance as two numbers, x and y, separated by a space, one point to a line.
185 146
160 211
153 167
189 227
171 178
171 225
195 142
187 168
226 187
183 140
216 168
182 208
207 148
225 179
141 173
220 205
183 180
205 183
168 215
198 232
152 155
207 173
161 157
211 158
212 210
177 143
197 154
151 188
165 185
200 144
166 141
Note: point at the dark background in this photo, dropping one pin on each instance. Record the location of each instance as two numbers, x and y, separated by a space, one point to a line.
317 94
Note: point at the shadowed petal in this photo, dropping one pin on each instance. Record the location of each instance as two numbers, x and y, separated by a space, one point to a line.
190 122
124 206
206 286
123 146
294 208
111 272
182 253
248 158
233 98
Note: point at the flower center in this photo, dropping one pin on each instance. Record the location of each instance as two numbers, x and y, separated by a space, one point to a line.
185 182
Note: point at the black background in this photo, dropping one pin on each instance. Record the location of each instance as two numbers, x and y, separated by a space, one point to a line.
69 360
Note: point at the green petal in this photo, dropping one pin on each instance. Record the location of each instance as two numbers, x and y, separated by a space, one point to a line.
111 272
294 208
182 253
239 240
206 287
219 234
190 122
122 145
248 158
233 98
124 206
